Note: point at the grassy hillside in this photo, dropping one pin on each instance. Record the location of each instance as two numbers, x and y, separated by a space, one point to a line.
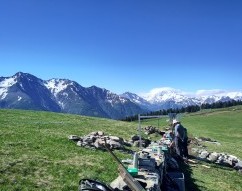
35 153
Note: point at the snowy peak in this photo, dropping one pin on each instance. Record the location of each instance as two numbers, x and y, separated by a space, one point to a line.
5 83
25 91
211 96
26 77
159 95
137 100
19 78
107 95
164 94
166 98
57 85
134 97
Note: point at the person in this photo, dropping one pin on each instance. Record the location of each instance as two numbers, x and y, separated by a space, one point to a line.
180 140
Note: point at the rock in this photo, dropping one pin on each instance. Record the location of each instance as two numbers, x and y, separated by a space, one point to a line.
93 133
206 139
126 143
238 165
213 157
195 150
100 133
232 160
134 138
99 144
105 138
150 130
220 159
79 143
115 138
203 155
74 137
136 144
162 133
118 183
115 145
89 139
196 138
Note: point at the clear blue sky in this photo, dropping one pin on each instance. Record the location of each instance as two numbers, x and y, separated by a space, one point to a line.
125 45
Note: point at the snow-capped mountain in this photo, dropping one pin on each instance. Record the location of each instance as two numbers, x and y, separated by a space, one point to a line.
222 96
137 100
166 98
25 91
162 98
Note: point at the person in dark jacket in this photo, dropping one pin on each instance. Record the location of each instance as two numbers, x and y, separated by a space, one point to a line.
180 140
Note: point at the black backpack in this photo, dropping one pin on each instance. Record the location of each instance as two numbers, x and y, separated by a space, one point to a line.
182 132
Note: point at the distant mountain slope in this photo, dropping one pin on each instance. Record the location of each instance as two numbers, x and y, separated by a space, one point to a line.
25 91
165 98
138 100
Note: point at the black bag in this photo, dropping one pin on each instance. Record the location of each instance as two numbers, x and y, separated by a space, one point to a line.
89 184
182 132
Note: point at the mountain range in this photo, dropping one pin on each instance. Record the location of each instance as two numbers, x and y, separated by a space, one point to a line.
26 91
166 97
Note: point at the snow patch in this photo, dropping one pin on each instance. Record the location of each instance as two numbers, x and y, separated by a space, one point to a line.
164 94
161 95
123 100
61 104
19 98
65 94
56 86
5 84
3 93
8 82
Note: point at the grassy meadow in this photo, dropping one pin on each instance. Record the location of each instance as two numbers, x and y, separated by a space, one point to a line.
35 153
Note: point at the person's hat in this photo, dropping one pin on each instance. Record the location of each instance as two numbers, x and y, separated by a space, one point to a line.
175 121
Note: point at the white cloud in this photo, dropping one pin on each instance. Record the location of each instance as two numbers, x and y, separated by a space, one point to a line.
156 91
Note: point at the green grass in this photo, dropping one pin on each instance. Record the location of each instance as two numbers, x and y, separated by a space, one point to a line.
224 126
35 153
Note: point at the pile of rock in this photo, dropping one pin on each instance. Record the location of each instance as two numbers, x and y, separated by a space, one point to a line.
135 141
150 130
219 158
96 140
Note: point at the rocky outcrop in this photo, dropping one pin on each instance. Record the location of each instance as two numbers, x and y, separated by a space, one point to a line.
151 129
97 140
218 158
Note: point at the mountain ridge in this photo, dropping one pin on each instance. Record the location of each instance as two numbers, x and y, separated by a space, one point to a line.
26 91
166 97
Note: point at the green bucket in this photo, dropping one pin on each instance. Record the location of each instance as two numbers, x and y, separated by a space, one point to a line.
133 171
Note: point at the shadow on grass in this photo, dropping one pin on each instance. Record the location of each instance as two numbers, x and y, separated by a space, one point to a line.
190 181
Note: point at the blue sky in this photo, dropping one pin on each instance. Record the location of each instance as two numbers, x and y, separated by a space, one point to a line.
125 45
